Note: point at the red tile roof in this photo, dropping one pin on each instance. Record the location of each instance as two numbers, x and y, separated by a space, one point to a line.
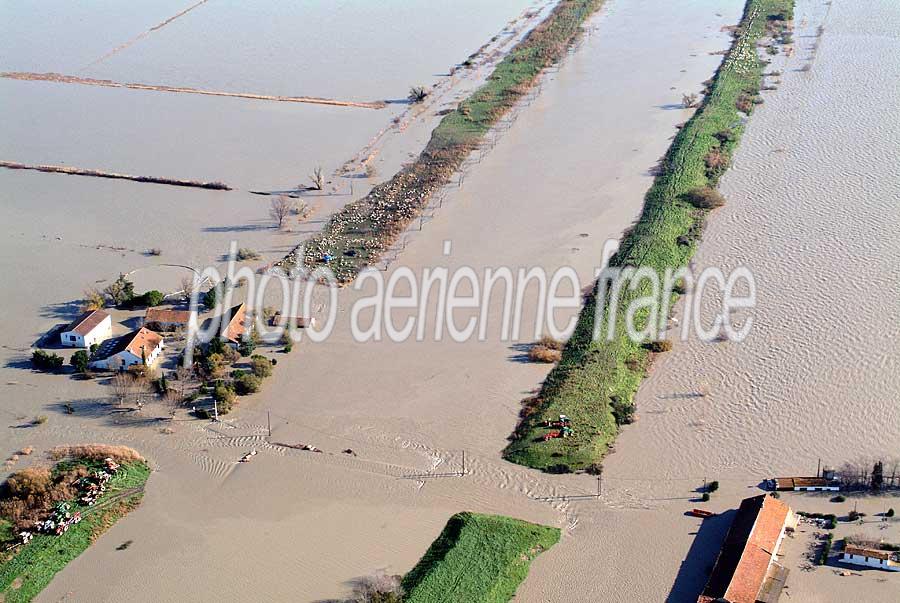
237 324
143 338
164 316
749 547
87 322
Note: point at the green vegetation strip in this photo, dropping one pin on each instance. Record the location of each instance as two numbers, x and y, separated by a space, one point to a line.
362 231
595 381
27 569
477 559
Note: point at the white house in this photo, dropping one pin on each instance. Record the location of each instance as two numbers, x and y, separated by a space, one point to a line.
139 347
86 330
876 558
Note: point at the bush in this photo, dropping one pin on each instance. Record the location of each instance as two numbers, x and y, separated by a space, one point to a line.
838 499
550 343
245 253
210 299
890 512
46 361
705 497
247 346
246 384
260 366
689 101
712 486
80 361
705 198
559 469
540 353
29 494
716 163
622 410
658 347
417 94
724 136
150 298
224 397
154 251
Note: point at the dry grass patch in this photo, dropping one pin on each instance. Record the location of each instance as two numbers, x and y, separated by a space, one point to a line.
96 452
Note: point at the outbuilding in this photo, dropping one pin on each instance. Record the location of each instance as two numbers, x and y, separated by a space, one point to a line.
804 484
91 327
165 320
869 557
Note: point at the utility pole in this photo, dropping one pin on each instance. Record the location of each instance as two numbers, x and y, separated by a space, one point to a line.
819 469
599 484
215 409
269 421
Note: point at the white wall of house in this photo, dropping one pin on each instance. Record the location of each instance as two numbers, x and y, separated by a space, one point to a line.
98 334
818 489
124 359
885 564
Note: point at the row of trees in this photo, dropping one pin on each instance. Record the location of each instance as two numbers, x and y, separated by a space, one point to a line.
120 293
875 475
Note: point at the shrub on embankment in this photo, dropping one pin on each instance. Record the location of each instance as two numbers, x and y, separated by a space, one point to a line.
477 559
592 374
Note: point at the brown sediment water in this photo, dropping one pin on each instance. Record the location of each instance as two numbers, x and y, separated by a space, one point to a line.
144 34
74 171
86 81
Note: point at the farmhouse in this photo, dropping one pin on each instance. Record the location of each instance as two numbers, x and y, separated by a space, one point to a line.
86 330
139 347
163 320
804 484
747 570
868 557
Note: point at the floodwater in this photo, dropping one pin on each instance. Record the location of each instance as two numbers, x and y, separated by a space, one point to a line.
65 233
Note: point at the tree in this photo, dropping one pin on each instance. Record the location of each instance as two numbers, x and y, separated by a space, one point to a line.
318 178
80 360
248 344
120 291
122 384
246 383
878 476
279 210
187 286
46 361
152 298
260 366
93 300
210 299
224 397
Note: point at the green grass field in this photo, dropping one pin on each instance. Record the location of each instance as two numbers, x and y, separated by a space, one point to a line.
477 559
363 230
28 569
596 378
